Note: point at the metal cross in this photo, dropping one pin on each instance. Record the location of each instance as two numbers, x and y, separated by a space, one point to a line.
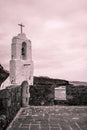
21 26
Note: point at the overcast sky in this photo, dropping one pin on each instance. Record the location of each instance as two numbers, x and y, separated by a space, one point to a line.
58 31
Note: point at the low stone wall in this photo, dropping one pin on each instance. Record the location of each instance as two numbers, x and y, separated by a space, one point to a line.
10 103
42 94
76 95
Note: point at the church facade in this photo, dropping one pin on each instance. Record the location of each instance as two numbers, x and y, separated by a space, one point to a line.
21 64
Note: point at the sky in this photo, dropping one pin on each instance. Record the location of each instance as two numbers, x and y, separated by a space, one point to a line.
58 31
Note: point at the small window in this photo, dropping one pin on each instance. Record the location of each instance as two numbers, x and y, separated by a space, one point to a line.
24 50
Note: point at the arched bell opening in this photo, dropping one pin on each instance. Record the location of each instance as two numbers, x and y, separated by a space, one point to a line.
24 51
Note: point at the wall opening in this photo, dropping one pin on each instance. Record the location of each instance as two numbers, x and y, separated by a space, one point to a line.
24 51
60 93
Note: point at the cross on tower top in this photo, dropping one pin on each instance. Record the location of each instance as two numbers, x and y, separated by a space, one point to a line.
21 26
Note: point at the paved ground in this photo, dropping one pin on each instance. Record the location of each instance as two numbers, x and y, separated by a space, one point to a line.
50 118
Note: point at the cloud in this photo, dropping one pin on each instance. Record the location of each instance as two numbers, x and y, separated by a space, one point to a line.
58 30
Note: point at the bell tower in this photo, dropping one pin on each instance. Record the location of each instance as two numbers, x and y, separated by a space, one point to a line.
21 64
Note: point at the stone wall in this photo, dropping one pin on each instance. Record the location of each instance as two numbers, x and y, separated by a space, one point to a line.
42 94
10 103
76 95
